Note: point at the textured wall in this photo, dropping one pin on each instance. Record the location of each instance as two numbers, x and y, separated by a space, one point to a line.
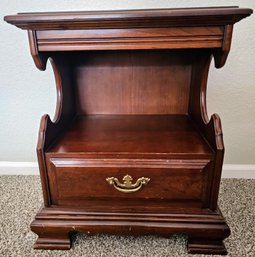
27 93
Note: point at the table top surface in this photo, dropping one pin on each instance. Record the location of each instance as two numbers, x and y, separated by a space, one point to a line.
148 17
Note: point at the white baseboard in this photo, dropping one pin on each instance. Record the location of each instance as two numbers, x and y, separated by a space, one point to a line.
238 171
19 168
31 168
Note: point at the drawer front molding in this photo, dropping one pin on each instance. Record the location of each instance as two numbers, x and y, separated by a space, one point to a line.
97 179
139 163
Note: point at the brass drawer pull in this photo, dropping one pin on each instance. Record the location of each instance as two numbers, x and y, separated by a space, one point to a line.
127 186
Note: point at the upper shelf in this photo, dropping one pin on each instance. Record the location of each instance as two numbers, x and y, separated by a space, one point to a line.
129 18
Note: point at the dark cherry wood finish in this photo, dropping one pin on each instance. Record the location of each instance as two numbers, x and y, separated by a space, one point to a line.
131 100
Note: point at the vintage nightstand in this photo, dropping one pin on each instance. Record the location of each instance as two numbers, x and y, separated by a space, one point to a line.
131 149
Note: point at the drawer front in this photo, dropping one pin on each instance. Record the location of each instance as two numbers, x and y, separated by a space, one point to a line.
175 180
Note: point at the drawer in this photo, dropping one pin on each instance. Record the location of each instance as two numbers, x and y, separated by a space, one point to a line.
112 179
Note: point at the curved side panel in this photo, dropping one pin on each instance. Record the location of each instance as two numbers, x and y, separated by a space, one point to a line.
220 56
215 125
203 90
45 120
214 129
58 82
39 58
50 130
210 128
197 101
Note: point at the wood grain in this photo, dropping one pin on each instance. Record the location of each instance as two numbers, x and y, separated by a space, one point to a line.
131 99
129 18
133 82
168 183
133 38
50 220
173 135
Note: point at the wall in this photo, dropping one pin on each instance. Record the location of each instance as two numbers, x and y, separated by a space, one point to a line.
27 93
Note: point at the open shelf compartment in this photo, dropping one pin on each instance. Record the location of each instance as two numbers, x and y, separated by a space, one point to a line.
160 136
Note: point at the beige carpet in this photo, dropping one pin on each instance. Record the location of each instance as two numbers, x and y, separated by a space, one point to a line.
20 198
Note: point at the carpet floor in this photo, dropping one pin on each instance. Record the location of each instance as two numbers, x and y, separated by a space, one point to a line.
20 199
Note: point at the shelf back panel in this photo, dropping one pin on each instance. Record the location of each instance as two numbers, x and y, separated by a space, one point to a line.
132 82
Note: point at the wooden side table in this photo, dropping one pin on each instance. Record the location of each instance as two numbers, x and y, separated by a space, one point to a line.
131 149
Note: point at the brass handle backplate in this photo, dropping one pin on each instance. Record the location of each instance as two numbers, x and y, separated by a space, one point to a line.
127 186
